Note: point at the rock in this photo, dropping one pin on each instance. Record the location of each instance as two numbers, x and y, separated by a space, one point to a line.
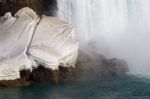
115 66
43 75
67 74
14 5
14 83
25 74
46 7
90 65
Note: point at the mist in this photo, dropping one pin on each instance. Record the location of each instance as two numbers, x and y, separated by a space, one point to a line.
114 28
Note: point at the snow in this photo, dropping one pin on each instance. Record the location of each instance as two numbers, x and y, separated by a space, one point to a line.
54 43
26 39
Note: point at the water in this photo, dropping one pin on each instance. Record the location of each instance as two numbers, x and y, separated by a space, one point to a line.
115 28
119 87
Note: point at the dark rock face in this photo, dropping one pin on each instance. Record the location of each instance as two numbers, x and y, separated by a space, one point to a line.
67 74
14 5
25 74
40 75
47 7
43 75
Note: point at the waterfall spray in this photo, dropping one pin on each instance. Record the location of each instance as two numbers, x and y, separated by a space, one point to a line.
115 28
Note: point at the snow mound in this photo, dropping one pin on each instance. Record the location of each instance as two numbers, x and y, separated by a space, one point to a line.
26 39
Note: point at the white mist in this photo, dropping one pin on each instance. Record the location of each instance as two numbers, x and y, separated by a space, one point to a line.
115 28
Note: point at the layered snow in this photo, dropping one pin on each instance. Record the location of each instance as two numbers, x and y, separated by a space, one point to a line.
27 40
53 43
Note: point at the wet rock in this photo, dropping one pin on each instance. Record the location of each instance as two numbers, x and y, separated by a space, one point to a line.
66 74
25 74
44 75
14 83
115 66
90 65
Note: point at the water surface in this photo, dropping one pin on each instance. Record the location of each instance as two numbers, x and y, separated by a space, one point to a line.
114 87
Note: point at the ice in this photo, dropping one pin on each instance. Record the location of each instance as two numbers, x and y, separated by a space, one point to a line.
54 43
26 38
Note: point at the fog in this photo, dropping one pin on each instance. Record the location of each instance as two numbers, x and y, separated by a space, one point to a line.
115 28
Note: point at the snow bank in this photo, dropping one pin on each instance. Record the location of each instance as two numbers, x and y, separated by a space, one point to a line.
26 39
54 44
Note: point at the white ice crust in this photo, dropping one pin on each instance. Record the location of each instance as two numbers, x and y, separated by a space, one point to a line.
26 40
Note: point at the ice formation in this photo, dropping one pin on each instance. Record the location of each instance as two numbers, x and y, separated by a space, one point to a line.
27 40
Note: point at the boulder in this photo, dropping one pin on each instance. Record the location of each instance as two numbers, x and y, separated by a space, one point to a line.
94 64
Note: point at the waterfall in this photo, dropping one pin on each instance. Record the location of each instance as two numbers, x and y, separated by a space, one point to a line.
115 28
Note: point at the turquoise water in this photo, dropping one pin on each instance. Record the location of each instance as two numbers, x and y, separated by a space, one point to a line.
118 87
